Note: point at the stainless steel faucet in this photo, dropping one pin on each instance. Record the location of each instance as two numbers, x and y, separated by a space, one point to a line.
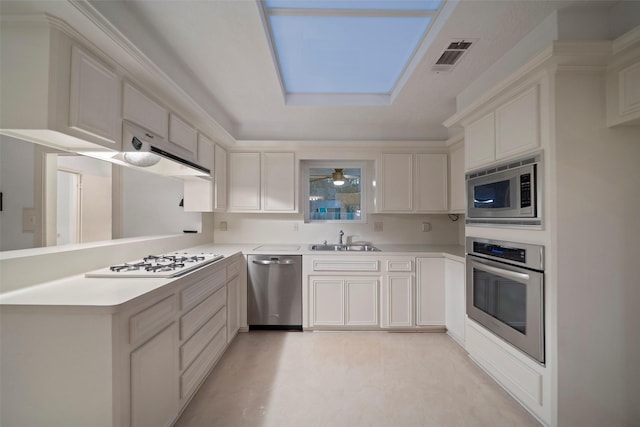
341 234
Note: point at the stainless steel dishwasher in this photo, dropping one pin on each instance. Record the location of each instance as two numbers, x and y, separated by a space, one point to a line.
275 292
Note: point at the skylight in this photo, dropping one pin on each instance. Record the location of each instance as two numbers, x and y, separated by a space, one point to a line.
357 48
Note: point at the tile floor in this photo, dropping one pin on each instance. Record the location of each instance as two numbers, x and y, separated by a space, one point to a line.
353 379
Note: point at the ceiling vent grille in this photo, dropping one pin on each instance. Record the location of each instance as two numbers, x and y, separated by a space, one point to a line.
451 55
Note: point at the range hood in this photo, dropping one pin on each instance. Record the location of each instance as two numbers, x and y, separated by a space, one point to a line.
145 151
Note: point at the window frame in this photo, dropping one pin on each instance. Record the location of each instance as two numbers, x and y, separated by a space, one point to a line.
345 164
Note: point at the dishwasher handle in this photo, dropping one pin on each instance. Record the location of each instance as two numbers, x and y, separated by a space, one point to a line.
274 261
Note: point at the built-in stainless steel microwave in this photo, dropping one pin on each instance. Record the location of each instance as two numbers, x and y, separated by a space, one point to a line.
506 194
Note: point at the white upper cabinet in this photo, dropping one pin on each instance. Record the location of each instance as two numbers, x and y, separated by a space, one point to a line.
517 125
279 182
94 101
623 81
220 180
480 139
244 182
262 182
144 111
208 195
510 129
457 200
413 182
184 138
397 182
430 189
55 92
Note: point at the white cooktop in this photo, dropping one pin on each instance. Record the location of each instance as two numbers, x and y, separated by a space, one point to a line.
162 266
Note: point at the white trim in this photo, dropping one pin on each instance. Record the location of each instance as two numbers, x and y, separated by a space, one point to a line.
627 40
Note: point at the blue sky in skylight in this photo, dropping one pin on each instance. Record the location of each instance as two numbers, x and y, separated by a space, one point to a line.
344 54
355 4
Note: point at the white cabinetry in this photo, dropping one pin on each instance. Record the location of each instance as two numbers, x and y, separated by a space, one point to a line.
430 307
512 128
140 109
457 190
154 387
399 301
623 84
208 195
344 301
94 99
455 307
183 137
132 364
233 300
413 182
56 92
262 182
244 182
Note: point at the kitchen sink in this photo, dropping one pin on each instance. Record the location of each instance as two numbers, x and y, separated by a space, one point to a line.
347 248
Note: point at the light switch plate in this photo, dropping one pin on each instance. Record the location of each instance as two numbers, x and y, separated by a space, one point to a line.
28 220
377 226
223 225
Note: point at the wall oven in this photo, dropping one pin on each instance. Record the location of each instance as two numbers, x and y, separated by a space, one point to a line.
505 291
506 194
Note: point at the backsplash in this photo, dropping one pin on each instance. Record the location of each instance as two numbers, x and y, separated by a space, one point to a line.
291 228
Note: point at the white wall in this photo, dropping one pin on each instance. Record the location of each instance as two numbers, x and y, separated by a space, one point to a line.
281 228
598 230
150 205
17 185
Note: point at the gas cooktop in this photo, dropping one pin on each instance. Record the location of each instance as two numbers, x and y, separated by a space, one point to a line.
163 266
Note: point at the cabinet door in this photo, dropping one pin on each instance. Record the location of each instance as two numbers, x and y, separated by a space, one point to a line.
361 302
457 199
430 292
233 308
154 380
278 183
455 299
431 183
397 183
517 125
94 99
142 110
399 300
244 182
184 138
220 180
199 194
479 142
327 302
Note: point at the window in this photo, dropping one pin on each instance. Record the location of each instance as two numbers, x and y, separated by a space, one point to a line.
335 191
359 48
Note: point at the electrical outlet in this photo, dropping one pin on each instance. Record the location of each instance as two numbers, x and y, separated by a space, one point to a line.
295 226
426 226
377 226
223 225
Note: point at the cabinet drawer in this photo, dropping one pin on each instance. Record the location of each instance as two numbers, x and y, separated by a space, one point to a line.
196 343
195 293
233 269
345 265
400 265
190 379
191 321
152 320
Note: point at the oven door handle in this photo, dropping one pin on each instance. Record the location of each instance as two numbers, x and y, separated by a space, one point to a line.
506 273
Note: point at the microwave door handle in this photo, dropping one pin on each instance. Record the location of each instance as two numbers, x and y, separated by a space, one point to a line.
506 273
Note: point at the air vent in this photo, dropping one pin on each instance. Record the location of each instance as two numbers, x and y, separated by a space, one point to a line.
451 55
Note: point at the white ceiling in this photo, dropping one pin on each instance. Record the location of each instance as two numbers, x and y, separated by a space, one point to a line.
217 51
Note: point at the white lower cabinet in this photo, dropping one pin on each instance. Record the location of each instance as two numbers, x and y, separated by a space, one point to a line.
344 301
233 308
455 301
430 294
154 384
132 365
399 301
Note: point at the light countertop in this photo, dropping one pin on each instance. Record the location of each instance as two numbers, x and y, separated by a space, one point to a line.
109 293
